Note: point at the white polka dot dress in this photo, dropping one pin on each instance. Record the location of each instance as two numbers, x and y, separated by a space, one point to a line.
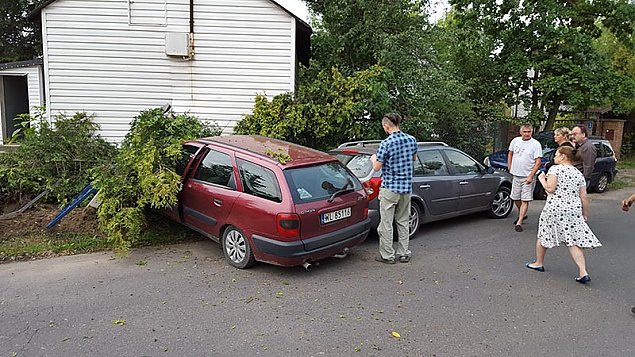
561 220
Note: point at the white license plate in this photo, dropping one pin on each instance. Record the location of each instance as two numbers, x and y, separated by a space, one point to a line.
336 215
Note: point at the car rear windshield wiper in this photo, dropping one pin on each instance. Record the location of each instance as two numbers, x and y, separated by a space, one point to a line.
342 190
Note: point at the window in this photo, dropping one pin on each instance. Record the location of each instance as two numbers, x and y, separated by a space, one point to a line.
360 164
217 168
432 164
319 182
187 154
603 150
462 163
259 181
147 12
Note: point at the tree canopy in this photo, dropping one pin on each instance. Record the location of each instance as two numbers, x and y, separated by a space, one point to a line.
21 37
542 50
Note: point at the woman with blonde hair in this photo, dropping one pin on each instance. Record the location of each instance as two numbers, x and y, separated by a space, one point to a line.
562 137
563 219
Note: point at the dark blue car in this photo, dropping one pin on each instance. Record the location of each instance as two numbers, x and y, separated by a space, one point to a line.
604 170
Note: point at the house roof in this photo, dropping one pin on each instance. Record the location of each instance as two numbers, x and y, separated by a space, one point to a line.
36 13
21 64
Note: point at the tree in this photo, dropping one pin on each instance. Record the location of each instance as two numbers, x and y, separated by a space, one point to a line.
543 49
21 37
354 35
621 58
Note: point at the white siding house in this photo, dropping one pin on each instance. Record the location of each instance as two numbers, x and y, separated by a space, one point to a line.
21 90
115 58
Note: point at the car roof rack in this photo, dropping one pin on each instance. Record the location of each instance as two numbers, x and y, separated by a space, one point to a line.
431 143
358 143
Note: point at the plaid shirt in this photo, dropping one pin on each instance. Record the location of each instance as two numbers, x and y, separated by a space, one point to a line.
395 153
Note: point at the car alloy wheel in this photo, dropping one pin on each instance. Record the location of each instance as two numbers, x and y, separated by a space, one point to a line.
603 182
501 203
414 219
236 248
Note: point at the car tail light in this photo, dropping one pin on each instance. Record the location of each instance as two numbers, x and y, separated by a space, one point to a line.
372 187
288 225
365 212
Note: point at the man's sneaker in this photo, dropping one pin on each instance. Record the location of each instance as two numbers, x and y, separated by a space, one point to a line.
385 261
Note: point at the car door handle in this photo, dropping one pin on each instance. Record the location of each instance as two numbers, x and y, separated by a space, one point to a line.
218 202
463 183
424 186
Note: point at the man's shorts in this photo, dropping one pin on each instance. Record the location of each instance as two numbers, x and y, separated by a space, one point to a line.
522 191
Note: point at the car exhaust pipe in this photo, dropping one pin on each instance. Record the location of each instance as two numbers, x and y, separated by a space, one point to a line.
308 266
343 254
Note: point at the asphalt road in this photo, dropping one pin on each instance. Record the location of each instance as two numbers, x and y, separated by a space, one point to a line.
466 292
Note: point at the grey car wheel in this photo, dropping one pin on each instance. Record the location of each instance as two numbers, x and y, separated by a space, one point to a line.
502 204
603 182
414 219
236 248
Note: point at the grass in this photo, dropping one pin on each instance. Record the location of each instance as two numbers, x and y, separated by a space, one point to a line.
618 184
43 243
626 162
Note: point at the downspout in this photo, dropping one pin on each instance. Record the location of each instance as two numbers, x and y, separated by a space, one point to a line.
191 37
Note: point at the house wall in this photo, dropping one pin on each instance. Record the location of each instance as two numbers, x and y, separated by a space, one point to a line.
99 62
35 80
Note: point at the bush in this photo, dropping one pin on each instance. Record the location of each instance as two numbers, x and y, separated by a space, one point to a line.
57 157
326 112
142 174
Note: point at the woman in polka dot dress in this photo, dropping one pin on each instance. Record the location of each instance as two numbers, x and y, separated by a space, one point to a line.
563 219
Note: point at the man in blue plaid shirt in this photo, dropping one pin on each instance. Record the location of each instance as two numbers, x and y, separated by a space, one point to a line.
394 157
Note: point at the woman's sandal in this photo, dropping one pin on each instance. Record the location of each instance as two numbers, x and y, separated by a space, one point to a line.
583 279
540 268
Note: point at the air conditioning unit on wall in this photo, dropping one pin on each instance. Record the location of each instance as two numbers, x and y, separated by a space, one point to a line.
178 44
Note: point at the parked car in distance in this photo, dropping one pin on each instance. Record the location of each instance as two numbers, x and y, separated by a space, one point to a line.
269 200
604 171
446 183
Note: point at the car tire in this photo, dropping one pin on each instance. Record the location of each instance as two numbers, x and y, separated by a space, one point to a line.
414 221
502 203
603 182
236 248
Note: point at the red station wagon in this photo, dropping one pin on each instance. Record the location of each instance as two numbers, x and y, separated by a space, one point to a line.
269 200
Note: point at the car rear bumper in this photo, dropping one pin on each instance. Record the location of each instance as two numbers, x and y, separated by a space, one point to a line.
313 249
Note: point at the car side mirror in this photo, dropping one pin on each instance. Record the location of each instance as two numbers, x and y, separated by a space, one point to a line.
489 170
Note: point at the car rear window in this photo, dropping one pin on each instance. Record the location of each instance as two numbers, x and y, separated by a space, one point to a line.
359 164
319 182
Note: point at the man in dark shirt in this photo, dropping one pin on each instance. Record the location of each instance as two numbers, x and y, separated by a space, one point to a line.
586 150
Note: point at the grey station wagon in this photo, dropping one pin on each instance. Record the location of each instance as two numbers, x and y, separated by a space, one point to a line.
447 183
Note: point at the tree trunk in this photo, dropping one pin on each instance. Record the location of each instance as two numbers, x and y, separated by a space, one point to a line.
553 111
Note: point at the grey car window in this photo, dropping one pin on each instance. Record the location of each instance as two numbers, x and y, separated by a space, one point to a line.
462 163
432 164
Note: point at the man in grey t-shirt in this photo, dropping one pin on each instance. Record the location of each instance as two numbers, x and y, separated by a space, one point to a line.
523 161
